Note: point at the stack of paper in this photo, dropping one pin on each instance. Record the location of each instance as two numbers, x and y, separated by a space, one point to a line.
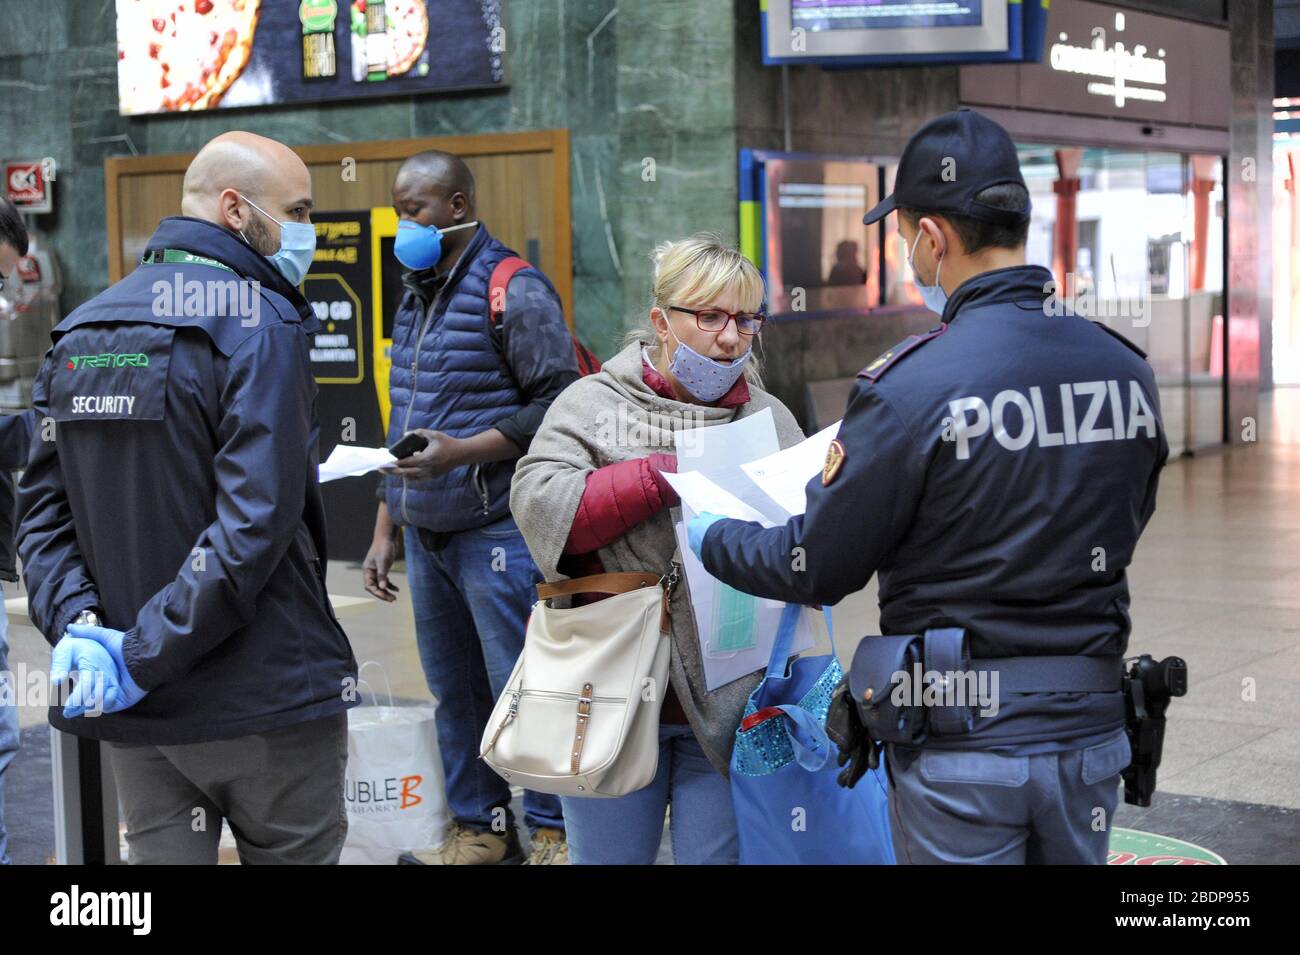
738 470
784 476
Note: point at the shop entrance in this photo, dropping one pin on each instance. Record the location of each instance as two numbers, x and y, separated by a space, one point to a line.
1136 239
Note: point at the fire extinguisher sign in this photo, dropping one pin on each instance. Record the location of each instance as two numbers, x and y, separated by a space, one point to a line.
28 186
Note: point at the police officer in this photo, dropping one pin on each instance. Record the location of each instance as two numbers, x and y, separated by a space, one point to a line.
997 472
173 538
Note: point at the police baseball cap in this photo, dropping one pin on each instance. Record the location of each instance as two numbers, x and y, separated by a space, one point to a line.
948 162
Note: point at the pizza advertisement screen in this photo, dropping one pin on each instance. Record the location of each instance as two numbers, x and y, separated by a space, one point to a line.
181 55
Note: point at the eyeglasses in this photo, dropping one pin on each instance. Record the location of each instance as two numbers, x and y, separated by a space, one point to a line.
715 319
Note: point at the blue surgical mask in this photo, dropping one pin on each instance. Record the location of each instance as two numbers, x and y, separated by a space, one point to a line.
297 246
420 246
934 297
707 380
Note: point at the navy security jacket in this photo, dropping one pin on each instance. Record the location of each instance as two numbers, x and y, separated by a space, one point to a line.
452 372
180 497
997 473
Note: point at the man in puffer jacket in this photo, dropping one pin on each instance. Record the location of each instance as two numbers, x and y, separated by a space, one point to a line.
476 390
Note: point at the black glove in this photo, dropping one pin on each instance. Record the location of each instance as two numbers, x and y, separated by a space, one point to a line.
858 752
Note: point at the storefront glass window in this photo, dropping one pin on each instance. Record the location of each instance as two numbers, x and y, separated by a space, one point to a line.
1147 261
819 255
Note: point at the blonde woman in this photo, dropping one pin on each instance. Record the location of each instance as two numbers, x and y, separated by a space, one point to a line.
590 497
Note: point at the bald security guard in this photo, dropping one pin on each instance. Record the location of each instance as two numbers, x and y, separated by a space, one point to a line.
173 537
996 472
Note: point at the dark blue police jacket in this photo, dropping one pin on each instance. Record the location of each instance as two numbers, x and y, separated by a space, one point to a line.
180 495
996 473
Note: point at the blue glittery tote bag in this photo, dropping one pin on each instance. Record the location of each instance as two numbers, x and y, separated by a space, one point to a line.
789 808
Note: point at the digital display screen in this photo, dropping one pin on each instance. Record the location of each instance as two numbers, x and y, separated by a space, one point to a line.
188 55
818 15
865 32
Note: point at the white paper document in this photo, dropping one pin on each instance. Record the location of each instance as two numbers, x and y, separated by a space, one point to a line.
736 631
722 446
348 460
784 476
699 494
717 452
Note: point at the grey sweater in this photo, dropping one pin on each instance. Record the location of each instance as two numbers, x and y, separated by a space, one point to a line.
615 416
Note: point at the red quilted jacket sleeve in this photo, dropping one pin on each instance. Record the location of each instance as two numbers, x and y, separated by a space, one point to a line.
618 497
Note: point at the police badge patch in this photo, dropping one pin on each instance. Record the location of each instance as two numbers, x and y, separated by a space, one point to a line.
834 461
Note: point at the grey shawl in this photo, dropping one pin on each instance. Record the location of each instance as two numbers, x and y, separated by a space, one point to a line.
614 416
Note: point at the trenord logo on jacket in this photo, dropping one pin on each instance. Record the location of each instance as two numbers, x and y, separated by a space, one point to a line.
108 361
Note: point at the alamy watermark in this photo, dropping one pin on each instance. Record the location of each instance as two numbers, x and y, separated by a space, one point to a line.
220 298
32 687
921 687
633 428
1081 298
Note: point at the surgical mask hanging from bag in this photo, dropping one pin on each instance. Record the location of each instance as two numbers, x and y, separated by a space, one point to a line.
297 246
420 246
704 378
934 297
734 621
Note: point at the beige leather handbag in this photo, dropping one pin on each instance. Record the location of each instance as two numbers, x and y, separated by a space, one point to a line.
580 713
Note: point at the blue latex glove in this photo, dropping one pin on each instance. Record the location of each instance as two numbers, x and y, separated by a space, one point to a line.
697 527
104 684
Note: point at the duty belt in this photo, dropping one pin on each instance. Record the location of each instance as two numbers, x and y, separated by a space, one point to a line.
878 660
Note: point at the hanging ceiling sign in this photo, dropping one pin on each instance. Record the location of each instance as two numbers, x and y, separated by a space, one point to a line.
1122 64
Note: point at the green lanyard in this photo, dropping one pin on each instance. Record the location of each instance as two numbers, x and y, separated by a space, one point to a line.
180 257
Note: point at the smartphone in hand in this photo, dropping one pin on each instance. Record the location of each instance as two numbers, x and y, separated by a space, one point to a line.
408 445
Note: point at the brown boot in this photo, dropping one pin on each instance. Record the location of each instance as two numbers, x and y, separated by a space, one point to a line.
549 847
465 846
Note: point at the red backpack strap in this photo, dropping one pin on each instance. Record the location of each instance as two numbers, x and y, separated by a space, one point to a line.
501 276
588 363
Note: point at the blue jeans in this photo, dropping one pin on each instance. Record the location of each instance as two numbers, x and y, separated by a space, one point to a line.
975 807
8 724
472 597
627 830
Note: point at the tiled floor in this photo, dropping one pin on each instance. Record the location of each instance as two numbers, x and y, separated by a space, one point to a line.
1217 581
